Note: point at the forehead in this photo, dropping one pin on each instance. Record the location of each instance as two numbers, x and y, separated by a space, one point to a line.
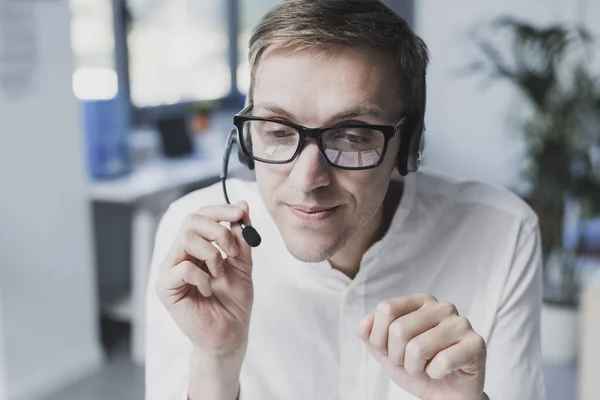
315 83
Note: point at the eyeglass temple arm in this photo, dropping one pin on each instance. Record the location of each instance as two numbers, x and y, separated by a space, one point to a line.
399 124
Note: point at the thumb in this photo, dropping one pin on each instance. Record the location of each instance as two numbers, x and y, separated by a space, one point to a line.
245 253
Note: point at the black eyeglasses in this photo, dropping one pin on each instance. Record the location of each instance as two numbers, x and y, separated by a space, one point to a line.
352 147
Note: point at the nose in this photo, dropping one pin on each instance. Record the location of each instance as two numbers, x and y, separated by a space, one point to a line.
310 170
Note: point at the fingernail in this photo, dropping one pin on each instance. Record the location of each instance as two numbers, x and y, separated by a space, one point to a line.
233 249
236 212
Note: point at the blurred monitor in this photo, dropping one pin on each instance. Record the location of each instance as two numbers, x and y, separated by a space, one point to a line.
175 136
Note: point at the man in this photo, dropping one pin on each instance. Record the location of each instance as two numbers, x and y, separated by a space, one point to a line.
366 285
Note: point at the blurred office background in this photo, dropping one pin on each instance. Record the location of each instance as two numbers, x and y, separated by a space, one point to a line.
111 109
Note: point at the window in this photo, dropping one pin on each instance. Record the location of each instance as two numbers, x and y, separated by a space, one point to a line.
178 51
93 45
164 54
251 11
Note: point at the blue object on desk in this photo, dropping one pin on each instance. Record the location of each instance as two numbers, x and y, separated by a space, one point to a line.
589 231
106 127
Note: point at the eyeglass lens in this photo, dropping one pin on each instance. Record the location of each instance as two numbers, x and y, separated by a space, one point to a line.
350 147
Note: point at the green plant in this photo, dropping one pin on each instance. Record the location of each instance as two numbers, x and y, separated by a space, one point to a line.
549 67
204 107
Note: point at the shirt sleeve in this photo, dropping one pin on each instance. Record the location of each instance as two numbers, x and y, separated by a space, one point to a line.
514 362
167 348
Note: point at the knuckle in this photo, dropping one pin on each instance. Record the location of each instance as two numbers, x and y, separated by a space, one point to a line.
188 237
385 308
190 221
463 324
414 349
431 298
448 308
479 343
427 298
202 210
398 332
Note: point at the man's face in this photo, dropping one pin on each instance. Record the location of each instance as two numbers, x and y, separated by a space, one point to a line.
316 207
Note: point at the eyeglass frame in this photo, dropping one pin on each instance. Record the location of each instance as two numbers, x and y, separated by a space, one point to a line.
240 119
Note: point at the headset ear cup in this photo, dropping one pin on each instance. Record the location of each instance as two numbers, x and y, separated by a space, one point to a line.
402 157
417 144
412 141
243 158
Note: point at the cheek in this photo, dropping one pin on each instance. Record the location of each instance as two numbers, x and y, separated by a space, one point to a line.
368 188
270 178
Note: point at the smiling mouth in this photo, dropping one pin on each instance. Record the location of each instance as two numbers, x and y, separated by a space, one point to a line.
313 213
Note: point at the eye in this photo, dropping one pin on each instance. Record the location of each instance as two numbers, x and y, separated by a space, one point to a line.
353 135
273 130
357 139
278 134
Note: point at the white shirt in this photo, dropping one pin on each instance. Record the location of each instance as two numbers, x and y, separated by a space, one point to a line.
469 243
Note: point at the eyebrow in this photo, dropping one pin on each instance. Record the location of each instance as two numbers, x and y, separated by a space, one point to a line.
351 112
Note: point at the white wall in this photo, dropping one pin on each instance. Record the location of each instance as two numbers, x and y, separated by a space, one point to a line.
46 271
590 14
467 129
3 389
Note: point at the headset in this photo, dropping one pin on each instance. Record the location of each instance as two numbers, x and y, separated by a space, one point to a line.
410 154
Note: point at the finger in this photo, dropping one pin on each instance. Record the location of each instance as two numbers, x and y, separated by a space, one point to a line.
215 232
195 239
200 249
405 328
245 251
222 212
466 355
388 311
363 331
364 326
423 348
183 274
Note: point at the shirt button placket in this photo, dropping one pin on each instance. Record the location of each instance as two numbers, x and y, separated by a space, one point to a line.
351 383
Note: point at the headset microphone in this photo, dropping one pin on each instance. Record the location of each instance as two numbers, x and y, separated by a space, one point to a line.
250 234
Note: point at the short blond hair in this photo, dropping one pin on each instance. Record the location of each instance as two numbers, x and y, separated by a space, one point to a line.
365 24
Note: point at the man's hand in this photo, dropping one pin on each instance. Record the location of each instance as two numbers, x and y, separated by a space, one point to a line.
210 298
426 348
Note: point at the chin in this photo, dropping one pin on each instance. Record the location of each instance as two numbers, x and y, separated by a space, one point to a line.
313 249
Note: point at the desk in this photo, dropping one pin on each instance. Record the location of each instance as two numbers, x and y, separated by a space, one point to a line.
150 189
